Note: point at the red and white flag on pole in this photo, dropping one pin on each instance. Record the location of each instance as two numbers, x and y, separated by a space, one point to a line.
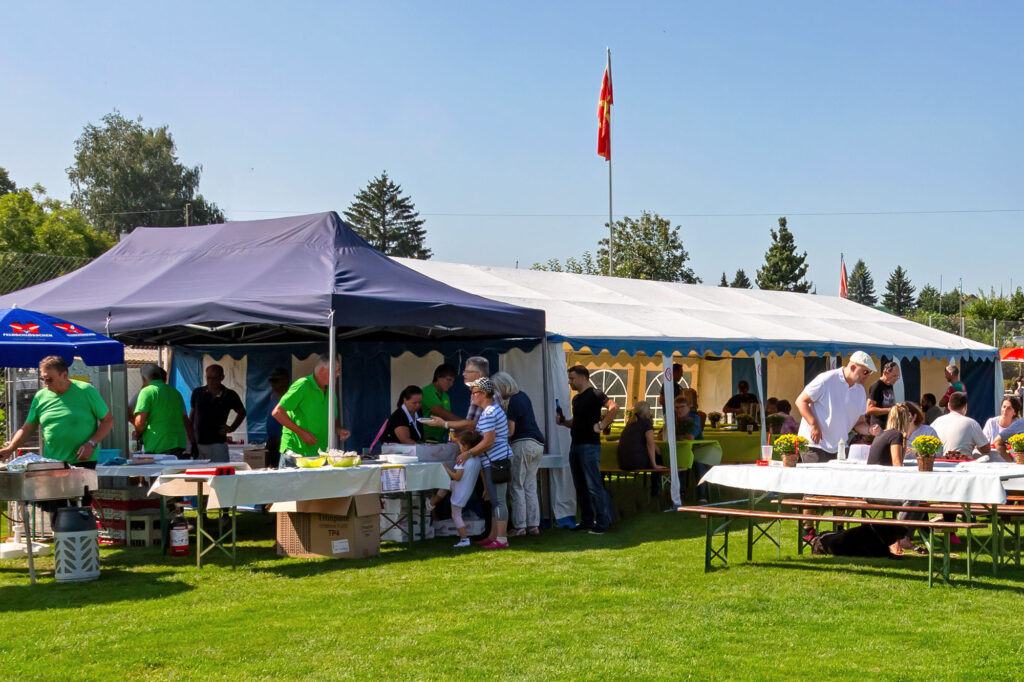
842 277
604 115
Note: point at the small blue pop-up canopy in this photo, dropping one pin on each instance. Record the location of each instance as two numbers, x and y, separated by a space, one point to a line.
26 337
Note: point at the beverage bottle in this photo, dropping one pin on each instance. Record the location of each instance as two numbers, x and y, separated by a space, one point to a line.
558 411
842 448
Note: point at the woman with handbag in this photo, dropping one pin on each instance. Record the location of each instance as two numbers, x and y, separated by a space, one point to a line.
495 456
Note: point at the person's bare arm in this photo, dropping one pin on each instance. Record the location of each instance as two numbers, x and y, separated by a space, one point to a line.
20 436
652 450
281 415
1001 449
189 430
896 452
805 405
85 451
446 415
609 416
875 410
402 433
140 421
863 428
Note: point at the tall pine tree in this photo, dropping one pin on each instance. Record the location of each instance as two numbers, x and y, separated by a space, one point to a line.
899 292
724 282
388 220
861 286
740 281
783 269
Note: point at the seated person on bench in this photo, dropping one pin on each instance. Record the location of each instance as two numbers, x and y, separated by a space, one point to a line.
636 449
887 450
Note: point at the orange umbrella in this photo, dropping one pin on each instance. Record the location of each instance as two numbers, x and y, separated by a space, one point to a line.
1011 354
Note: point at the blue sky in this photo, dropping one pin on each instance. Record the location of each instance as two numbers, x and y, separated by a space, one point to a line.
889 131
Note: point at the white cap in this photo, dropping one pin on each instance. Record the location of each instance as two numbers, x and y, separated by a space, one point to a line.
861 358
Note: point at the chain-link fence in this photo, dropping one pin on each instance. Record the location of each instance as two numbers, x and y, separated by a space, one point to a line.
20 270
998 333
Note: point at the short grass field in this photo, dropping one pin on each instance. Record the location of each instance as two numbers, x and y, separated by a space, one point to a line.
632 604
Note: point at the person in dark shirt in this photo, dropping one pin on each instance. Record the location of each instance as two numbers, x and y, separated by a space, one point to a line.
585 426
210 406
677 379
887 450
402 426
527 449
743 397
882 396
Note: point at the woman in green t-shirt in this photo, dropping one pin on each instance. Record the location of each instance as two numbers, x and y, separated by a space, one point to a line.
72 415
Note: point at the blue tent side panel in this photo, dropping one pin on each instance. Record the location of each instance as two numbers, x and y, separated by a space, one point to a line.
910 370
979 378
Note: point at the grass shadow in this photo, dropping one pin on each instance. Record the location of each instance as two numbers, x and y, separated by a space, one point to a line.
113 586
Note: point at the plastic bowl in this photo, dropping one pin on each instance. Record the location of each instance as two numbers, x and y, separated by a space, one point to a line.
344 460
310 462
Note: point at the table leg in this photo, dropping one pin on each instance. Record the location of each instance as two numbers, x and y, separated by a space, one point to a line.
234 537
163 524
750 530
408 495
201 514
28 543
423 515
997 539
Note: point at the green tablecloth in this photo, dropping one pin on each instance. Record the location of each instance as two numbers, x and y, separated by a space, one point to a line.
704 451
737 446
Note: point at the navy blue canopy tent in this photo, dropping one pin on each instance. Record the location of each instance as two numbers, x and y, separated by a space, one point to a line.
265 281
26 337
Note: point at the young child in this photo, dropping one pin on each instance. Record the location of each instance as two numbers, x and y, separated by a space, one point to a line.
463 480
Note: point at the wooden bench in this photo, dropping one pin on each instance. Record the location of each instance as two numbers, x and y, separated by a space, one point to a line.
1005 523
761 522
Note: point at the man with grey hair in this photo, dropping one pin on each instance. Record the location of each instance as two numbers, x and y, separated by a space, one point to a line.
476 367
160 416
211 404
302 412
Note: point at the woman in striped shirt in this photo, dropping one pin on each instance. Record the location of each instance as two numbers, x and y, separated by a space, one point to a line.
493 426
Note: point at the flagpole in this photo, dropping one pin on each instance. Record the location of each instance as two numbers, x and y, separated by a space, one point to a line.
611 223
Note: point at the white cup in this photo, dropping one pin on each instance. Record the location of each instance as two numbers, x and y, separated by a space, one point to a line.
766 452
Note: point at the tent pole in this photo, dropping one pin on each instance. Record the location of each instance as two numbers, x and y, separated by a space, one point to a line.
332 434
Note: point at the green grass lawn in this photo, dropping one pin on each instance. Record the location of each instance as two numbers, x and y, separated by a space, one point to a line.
632 603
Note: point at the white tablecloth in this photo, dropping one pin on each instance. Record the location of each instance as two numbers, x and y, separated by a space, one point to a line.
150 470
284 485
860 480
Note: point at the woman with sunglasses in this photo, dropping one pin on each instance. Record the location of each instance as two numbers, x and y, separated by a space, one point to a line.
493 426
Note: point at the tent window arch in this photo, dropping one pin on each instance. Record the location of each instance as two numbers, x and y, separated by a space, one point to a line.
613 383
655 380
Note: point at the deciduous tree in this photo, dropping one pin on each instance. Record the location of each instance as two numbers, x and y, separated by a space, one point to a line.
126 175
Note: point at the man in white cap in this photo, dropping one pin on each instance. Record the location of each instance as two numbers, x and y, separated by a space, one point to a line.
832 405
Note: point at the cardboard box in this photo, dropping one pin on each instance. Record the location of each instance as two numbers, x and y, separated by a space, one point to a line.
342 528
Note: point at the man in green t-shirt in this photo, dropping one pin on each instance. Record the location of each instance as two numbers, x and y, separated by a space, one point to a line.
160 414
302 412
437 402
72 415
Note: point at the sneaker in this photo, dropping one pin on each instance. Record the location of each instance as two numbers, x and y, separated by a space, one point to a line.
429 507
497 545
953 539
810 535
702 500
533 530
597 531
485 541
516 532
464 542
580 526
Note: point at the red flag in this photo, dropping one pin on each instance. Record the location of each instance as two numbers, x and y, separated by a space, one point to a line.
604 115
842 278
